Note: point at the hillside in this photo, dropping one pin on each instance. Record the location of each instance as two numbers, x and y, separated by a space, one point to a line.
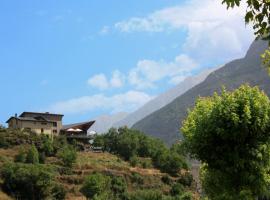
132 178
163 99
166 122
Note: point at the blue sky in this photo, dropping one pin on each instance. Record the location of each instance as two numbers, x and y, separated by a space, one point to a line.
85 58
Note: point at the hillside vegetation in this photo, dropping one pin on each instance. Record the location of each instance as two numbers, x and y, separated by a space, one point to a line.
36 167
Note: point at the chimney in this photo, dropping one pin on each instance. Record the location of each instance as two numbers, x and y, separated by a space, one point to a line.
16 115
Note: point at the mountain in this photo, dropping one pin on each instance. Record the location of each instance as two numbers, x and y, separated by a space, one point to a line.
163 99
105 122
166 122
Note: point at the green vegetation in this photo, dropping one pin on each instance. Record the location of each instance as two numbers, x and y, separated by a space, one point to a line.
29 181
37 167
230 135
131 144
68 155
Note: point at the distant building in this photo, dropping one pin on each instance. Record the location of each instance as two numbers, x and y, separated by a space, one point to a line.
49 124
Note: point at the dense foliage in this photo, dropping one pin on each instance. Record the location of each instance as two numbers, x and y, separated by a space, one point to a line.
230 134
258 13
68 155
30 181
130 144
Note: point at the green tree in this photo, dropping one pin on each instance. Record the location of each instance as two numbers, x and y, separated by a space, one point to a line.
96 185
32 155
230 134
27 181
68 155
258 14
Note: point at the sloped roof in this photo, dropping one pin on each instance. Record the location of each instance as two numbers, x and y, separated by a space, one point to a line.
36 119
83 126
39 113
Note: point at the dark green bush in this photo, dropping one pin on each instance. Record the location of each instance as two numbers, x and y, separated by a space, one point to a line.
32 155
68 155
177 189
137 178
166 179
146 195
186 179
27 181
134 161
118 187
186 196
21 156
58 192
95 185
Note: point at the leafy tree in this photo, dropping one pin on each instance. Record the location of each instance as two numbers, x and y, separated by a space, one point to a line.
32 155
230 134
257 13
27 181
95 185
68 155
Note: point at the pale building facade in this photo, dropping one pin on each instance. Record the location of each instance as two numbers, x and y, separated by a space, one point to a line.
41 123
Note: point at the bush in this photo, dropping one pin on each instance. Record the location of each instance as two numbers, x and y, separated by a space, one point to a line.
118 187
21 156
177 189
58 192
146 195
94 185
68 155
3 142
186 179
32 155
166 179
137 178
134 161
27 181
186 196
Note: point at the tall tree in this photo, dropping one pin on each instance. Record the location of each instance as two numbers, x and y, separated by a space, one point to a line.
229 134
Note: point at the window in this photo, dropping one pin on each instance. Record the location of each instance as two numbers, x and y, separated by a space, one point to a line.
43 123
54 131
42 130
55 124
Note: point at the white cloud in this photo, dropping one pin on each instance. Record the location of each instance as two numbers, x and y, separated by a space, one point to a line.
117 79
104 30
101 82
211 28
125 102
98 81
148 72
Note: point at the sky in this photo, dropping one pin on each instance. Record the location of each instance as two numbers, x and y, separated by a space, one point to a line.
86 58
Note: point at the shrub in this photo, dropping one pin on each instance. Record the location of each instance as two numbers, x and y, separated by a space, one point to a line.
27 181
134 161
21 156
146 195
186 196
177 189
166 179
94 185
3 142
32 155
118 187
68 155
137 178
58 192
186 179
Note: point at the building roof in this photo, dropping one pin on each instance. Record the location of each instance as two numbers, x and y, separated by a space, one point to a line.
83 126
40 113
36 119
